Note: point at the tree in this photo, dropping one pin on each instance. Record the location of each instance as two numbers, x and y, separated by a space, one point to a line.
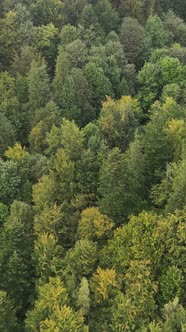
156 33
51 296
77 53
9 103
147 237
137 306
7 133
48 220
46 43
94 225
132 36
174 316
171 70
37 137
8 320
17 31
46 257
139 9
118 121
16 267
171 284
62 71
88 16
17 153
44 193
3 213
72 140
176 26
156 156
83 98
38 85
44 12
69 104
103 284
120 194
63 175
150 88
64 319
68 34
99 85
72 11
107 15
171 90
22 61
170 193
163 70
83 300
14 181
81 259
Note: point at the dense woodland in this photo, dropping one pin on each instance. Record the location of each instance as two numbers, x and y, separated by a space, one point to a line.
92 165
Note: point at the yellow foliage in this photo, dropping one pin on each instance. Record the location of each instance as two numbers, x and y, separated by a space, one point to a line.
104 281
176 126
17 152
48 219
94 224
37 135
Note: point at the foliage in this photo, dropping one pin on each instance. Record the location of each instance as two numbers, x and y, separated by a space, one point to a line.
92 165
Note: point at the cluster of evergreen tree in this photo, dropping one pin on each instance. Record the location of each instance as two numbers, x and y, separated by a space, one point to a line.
92 165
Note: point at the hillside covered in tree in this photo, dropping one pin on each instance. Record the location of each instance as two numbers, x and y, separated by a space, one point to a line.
92 166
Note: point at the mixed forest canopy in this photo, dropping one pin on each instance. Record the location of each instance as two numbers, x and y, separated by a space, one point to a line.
92 165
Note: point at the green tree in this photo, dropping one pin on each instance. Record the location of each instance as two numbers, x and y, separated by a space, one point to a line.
170 193
137 306
68 34
77 53
9 103
132 36
83 300
174 316
72 11
99 85
7 134
171 70
176 26
44 12
107 15
3 213
16 267
8 320
17 30
120 193
46 43
83 98
156 33
72 140
46 257
88 16
156 156
82 258
38 85
61 74
150 89
48 220
147 237
14 181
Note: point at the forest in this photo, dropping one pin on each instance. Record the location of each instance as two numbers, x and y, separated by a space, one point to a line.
92 166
